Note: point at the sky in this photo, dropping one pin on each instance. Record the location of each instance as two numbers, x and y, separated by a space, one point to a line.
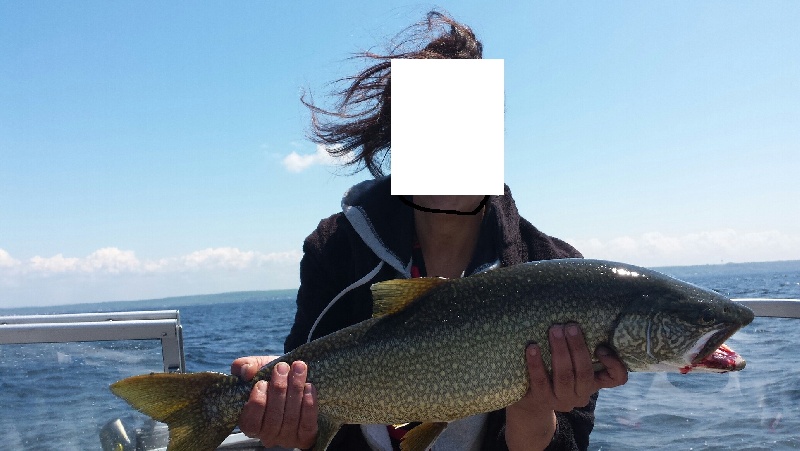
153 149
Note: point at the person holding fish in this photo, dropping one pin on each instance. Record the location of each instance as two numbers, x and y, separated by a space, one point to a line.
380 237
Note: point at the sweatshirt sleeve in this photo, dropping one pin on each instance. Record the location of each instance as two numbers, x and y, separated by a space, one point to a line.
320 281
308 303
573 428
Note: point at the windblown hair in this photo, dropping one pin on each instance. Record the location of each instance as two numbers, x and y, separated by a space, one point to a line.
359 127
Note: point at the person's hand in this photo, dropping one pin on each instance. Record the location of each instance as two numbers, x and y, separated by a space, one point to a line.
573 378
282 412
531 421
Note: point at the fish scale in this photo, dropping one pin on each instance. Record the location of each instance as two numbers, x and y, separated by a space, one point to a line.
438 350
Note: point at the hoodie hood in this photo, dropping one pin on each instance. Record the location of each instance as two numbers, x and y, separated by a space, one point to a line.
386 225
373 211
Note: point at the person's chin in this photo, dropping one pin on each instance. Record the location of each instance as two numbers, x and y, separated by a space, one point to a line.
449 202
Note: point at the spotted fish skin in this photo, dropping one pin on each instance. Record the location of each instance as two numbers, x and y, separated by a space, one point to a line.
438 350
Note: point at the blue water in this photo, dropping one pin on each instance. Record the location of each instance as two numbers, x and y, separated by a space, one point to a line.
55 396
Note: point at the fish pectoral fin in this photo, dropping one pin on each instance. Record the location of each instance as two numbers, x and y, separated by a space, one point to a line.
422 437
326 429
393 296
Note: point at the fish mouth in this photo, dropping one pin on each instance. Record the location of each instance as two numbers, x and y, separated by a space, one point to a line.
709 343
711 354
722 360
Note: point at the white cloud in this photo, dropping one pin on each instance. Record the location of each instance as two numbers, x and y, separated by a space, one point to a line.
6 260
294 162
55 264
108 260
111 260
708 247
114 274
232 258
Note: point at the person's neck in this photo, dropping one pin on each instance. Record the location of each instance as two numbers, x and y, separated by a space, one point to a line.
447 241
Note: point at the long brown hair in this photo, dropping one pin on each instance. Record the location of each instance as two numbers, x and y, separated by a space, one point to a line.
359 127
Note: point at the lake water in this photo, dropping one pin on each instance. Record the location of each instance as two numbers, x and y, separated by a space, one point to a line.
55 396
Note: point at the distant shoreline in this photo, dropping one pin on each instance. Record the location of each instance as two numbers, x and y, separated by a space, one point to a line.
167 303
732 268
173 302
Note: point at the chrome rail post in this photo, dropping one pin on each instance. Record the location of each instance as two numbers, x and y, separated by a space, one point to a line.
772 307
162 325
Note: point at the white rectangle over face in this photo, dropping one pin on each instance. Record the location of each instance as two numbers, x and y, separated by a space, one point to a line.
447 126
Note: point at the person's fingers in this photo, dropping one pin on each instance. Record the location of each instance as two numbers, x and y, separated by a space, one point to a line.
247 367
540 389
307 427
561 362
283 411
295 387
276 395
615 372
238 364
581 363
253 411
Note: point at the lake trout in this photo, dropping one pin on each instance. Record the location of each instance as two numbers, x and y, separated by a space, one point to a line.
437 350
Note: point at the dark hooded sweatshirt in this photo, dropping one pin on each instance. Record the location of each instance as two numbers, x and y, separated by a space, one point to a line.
371 241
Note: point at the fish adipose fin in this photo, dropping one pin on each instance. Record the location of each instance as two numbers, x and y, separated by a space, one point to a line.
393 296
200 409
422 437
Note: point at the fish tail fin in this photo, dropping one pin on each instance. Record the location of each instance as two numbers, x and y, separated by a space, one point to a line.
200 409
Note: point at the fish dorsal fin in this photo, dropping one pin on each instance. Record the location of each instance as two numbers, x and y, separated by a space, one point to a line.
421 438
392 296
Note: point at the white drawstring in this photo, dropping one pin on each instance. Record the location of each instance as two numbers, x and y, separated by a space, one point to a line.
353 285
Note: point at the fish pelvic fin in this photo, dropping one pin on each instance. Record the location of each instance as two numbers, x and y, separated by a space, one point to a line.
326 429
200 409
395 295
422 437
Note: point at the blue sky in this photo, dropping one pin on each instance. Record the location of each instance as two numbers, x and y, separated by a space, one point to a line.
151 149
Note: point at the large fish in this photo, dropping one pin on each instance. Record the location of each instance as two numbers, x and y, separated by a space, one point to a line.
473 331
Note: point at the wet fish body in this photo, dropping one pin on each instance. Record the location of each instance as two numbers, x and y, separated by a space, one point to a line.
437 350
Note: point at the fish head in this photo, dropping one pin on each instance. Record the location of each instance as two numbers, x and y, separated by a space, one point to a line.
675 326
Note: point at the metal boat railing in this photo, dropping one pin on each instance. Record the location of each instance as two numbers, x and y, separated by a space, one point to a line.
772 307
164 325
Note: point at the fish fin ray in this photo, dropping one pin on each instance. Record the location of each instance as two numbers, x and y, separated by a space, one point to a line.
395 295
326 429
181 401
422 437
